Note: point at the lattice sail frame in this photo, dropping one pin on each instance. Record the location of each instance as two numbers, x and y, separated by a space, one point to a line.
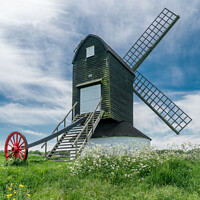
168 111
150 38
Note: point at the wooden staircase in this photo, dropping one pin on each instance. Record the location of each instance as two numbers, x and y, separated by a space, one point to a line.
70 145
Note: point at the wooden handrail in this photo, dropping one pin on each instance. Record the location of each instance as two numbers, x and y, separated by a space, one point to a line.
56 129
90 133
86 124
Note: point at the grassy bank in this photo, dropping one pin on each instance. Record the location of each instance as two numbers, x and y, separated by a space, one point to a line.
147 174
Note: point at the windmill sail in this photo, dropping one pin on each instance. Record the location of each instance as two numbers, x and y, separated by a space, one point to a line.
168 111
150 38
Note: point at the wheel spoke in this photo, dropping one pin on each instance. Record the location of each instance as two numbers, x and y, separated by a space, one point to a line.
21 157
11 141
13 138
9 154
21 152
17 138
21 144
10 145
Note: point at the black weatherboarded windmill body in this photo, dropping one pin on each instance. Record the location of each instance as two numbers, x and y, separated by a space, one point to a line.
103 86
102 74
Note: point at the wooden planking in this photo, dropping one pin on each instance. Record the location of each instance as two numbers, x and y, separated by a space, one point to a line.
121 92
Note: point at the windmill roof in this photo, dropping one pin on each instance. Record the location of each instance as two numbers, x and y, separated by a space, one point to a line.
111 128
107 47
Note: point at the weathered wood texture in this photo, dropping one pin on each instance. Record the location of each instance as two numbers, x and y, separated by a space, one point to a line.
121 91
117 80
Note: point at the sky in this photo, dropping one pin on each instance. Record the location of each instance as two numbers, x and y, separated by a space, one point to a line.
37 39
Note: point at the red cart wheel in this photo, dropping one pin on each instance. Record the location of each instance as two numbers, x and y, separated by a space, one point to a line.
16 146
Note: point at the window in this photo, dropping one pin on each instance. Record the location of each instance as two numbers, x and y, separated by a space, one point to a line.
89 51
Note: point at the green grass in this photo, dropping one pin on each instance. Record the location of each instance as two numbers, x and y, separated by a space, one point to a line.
148 174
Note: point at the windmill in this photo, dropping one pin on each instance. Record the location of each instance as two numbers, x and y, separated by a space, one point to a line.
103 86
102 96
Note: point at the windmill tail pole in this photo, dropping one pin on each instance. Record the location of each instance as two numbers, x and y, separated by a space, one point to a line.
50 137
16 145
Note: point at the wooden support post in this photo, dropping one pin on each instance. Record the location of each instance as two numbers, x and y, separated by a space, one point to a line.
87 132
64 122
73 113
93 124
57 136
45 150
76 149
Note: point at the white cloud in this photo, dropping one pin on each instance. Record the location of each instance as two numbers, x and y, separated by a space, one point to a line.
147 121
32 75
25 85
191 105
31 115
172 140
25 12
33 133
17 75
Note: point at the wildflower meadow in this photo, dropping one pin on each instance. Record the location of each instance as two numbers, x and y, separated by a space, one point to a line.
118 172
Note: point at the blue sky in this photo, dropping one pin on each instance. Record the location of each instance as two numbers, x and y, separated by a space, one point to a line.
37 39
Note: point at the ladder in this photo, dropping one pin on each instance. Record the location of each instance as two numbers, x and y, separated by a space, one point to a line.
70 145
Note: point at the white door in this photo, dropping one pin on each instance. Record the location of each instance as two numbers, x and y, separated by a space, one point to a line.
89 98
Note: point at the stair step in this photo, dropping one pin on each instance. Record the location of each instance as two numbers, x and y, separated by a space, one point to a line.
66 138
69 146
59 157
67 143
62 155
77 129
74 135
74 131
62 160
72 151
59 153
71 135
65 147
72 140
